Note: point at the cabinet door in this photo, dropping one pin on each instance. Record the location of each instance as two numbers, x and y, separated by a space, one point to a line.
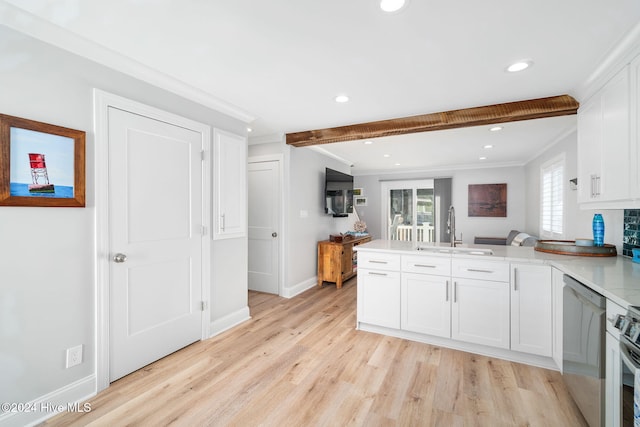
531 315
604 144
615 139
379 297
480 312
426 304
589 146
230 185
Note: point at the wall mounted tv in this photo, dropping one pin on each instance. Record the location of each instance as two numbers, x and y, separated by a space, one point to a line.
338 193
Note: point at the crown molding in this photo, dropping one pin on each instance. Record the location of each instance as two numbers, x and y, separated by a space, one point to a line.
43 30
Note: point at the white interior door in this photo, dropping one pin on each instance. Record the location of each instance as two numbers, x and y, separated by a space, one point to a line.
264 217
155 209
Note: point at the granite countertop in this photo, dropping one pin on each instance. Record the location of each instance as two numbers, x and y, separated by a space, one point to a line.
617 278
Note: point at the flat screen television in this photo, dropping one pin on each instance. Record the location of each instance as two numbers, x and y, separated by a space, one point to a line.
338 193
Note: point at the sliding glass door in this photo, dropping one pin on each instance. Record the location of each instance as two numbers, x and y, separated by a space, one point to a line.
409 210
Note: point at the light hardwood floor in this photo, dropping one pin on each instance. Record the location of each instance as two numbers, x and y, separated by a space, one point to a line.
300 362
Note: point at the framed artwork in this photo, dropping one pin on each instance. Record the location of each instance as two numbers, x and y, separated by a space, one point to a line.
489 200
360 201
358 192
41 164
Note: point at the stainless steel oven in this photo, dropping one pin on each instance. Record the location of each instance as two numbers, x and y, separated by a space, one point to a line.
583 348
629 345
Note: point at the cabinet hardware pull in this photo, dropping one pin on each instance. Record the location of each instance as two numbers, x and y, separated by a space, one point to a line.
373 261
475 270
377 274
222 222
424 265
455 292
515 278
446 291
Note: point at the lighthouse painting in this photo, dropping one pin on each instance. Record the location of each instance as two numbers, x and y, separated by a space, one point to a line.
41 164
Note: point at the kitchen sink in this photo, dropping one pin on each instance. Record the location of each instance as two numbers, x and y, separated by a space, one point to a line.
456 250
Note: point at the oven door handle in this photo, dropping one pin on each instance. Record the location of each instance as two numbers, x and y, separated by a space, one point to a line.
626 359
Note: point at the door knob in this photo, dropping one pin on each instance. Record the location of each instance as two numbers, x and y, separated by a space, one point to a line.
274 234
119 258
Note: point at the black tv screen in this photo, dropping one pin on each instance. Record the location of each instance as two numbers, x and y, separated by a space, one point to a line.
338 193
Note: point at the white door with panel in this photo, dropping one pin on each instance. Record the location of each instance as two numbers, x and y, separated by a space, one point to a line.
480 312
155 199
264 217
531 313
426 304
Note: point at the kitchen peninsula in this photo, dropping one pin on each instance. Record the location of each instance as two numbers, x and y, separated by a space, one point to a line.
501 301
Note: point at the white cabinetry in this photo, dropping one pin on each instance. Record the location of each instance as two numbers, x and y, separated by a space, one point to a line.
480 309
379 289
425 295
613 368
531 314
604 144
556 302
230 185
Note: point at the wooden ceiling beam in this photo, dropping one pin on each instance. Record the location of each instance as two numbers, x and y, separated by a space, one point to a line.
562 105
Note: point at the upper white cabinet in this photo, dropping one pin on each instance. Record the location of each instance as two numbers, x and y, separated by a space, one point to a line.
604 143
531 309
229 185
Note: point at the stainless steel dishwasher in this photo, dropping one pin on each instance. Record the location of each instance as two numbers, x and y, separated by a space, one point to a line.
583 341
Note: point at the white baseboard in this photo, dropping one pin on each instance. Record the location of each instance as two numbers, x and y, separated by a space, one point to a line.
229 321
300 287
68 398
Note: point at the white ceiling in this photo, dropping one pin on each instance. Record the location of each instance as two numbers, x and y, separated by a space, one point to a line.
283 62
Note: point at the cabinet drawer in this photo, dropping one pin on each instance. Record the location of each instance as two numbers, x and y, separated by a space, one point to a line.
480 269
379 261
439 266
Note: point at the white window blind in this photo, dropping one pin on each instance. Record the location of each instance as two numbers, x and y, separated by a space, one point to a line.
552 197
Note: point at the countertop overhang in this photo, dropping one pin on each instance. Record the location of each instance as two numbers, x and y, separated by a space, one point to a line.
617 278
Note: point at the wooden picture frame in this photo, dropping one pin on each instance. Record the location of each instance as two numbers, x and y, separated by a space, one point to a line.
41 164
488 200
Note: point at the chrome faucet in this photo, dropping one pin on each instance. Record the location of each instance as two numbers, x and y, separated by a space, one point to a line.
451 227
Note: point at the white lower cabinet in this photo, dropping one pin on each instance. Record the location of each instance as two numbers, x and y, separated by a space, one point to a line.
480 312
379 297
531 313
471 300
426 304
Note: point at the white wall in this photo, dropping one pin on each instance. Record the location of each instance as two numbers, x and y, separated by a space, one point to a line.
306 195
577 221
469 226
47 255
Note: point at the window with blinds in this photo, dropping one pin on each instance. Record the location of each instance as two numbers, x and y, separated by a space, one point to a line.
552 199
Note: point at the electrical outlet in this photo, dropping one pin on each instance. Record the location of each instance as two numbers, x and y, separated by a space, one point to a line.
74 356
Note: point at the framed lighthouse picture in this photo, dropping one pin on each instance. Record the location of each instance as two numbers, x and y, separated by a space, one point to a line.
41 164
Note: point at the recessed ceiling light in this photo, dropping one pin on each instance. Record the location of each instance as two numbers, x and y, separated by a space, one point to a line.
488 146
519 66
483 158
495 128
391 5
368 142
249 130
342 99
387 155
397 164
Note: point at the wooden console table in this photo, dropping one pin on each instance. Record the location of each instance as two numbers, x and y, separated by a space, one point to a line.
337 261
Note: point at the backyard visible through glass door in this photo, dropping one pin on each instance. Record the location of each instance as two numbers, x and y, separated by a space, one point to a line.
411 212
